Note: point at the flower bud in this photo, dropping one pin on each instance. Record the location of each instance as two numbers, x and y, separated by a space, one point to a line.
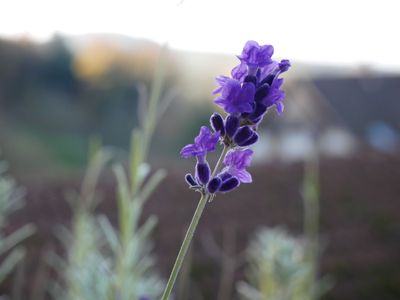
231 125
229 184
217 123
214 185
190 180
242 135
284 65
203 172
258 112
224 176
253 139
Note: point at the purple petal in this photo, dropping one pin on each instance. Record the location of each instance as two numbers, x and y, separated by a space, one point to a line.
243 176
231 89
238 159
189 150
275 94
239 72
221 81
206 140
279 107
236 98
255 55
269 69
246 98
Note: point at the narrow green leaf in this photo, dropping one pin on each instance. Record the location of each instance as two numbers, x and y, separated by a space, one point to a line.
16 237
151 184
9 263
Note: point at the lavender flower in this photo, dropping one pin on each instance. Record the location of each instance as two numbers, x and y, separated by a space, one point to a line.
236 162
239 72
205 142
236 98
234 172
255 55
246 96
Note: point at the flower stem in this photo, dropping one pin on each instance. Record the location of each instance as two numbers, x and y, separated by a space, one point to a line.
221 158
185 245
190 232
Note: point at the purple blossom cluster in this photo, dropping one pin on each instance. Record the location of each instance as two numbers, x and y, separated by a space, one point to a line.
253 88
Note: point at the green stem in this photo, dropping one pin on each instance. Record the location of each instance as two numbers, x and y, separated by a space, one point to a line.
189 234
221 157
185 246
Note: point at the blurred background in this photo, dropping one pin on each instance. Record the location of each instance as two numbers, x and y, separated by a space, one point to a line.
71 70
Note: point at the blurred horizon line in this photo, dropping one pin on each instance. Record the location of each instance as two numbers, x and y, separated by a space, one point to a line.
78 42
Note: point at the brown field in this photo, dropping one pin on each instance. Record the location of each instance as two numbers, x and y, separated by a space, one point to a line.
360 228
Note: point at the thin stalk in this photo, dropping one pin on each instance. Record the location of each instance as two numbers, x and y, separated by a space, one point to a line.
311 218
190 232
221 158
185 245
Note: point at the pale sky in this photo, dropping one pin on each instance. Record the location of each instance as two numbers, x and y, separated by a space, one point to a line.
333 32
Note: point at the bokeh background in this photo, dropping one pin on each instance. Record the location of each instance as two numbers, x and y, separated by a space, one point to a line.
71 70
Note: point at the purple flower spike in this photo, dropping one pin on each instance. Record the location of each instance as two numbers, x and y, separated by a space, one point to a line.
236 162
214 185
217 123
203 172
229 185
205 142
236 98
255 55
246 96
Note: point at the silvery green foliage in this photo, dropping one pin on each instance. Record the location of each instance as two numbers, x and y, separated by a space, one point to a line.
11 199
10 195
115 263
279 268
103 262
86 270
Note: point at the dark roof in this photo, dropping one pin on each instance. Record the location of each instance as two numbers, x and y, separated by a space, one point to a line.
359 102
